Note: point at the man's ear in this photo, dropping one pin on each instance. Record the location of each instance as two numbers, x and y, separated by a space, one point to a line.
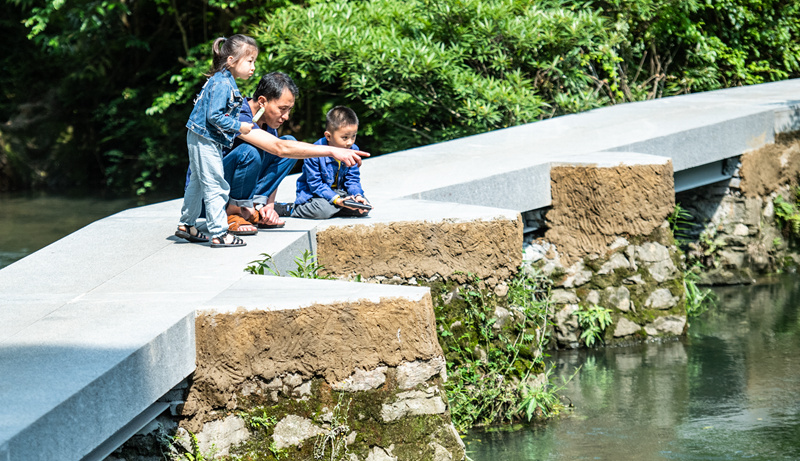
262 99
328 136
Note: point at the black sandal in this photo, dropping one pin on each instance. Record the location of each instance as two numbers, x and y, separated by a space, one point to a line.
235 241
197 237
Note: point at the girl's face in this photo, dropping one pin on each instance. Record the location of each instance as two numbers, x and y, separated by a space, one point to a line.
245 66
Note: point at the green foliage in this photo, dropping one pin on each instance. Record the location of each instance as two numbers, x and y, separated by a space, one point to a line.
424 71
307 267
787 214
680 221
593 322
490 366
697 300
541 399
705 251
336 437
263 266
195 454
98 91
259 419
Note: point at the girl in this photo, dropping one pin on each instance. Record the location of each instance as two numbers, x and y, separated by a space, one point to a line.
213 125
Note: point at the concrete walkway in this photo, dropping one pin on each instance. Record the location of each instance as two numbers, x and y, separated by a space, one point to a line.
99 325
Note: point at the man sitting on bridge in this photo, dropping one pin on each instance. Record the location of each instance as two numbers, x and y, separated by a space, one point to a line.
260 160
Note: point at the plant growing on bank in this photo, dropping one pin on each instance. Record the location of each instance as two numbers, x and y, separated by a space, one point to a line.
540 399
195 454
336 437
698 300
593 322
493 348
680 222
787 214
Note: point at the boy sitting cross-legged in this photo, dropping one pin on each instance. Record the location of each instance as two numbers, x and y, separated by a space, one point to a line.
326 183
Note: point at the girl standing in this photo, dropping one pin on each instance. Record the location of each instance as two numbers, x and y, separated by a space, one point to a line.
213 125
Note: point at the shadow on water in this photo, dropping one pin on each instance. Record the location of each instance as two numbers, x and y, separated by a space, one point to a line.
729 390
32 222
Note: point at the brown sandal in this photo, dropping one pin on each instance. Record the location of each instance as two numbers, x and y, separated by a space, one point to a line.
235 222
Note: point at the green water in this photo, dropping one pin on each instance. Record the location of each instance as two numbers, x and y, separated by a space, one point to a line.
29 223
730 390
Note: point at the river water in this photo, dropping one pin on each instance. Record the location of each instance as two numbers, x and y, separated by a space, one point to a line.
30 222
729 390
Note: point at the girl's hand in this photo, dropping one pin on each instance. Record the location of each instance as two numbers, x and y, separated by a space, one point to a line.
245 127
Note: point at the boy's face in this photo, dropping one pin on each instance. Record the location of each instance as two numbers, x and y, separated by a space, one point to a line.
344 137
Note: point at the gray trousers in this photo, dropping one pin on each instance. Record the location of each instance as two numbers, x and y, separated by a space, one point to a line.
319 208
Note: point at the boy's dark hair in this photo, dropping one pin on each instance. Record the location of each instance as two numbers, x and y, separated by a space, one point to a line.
271 86
340 116
236 46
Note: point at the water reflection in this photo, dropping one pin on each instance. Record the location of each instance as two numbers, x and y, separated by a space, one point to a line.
729 390
32 222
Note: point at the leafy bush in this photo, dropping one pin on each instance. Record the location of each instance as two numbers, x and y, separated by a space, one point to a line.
492 367
698 300
787 214
593 322
106 88
424 71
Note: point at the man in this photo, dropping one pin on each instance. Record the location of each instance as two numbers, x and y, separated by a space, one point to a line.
260 159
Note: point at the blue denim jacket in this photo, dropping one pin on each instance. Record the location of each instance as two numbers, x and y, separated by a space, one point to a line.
319 174
216 109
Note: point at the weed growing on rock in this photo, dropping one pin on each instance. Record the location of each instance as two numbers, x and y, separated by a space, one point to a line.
540 398
787 214
680 221
697 300
193 452
336 437
493 346
593 321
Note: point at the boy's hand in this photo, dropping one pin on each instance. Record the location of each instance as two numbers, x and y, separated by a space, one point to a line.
245 127
349 157
356 198
363 200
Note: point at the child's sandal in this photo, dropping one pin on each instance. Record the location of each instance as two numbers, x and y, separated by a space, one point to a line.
197 237
223 243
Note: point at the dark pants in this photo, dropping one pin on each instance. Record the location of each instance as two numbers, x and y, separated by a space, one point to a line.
319 208
253 174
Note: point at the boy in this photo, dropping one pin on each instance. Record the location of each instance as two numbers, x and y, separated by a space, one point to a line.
326 183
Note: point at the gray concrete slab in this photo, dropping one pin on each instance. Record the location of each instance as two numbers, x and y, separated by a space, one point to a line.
68 379
294 293
692 130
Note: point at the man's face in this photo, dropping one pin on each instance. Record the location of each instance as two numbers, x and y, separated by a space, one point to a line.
276 111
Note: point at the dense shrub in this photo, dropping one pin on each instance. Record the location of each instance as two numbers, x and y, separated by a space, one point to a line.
417 72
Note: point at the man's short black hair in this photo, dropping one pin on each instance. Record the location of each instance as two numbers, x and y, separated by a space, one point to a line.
340 116
271 86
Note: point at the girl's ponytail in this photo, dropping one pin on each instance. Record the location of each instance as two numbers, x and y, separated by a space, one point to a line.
235 46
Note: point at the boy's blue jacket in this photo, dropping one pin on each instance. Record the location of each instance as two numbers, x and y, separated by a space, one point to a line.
216 109
318 176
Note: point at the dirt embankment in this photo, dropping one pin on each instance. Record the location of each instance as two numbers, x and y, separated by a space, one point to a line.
765 170
594 206
423 249
330 341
